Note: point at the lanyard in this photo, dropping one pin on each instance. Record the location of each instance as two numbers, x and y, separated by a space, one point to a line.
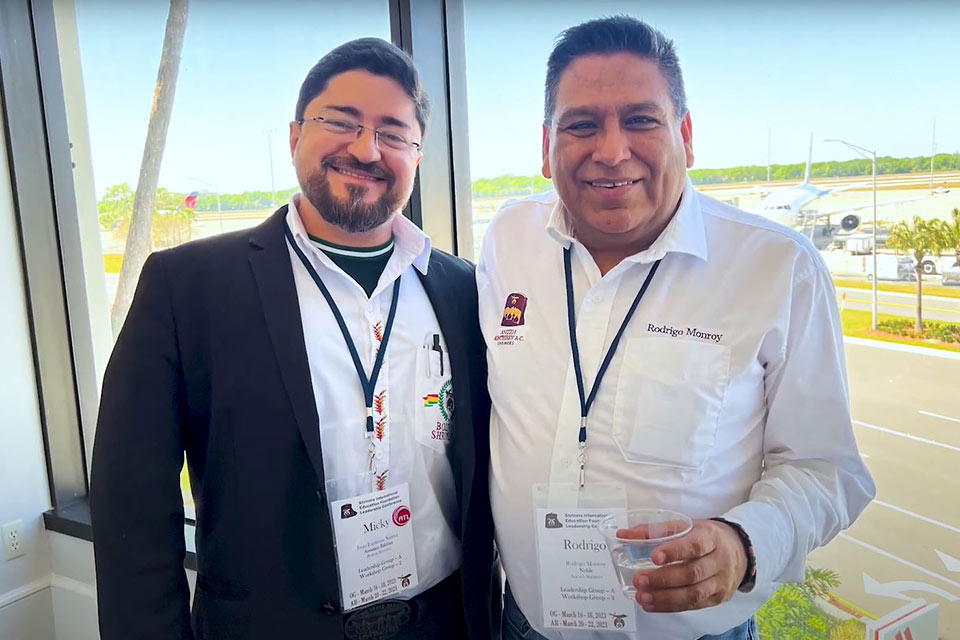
587 401
370 383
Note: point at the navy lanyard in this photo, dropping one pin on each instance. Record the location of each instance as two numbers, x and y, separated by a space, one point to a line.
587 401
367 384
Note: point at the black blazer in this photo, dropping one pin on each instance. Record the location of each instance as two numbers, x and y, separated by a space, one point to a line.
211 362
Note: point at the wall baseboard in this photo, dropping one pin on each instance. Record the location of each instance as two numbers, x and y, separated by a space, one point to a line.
26 590
74 586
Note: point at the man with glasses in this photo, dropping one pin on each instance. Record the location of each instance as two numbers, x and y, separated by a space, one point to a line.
323 375
649 347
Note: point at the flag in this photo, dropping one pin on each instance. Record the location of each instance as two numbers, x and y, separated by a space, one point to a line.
431 399
190 202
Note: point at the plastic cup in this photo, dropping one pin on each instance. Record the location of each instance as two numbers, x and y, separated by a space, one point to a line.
641 531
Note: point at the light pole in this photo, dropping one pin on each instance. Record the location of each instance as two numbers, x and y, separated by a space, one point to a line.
216 190
273 189
872 156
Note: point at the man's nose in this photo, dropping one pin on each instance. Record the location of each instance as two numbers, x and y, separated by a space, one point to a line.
365 147
613 145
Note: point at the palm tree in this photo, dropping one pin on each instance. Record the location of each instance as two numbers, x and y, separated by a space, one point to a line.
817 583
951 233
921 238
137 246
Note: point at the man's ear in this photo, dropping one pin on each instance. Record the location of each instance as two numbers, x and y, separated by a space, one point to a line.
686 131
295 130
545 169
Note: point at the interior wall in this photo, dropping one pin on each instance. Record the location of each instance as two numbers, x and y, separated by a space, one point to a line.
25 599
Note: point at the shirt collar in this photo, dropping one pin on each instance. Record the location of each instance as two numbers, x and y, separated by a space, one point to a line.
683 234
411 244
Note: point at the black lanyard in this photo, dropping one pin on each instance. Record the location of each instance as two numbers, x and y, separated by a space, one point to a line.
367 384
587 401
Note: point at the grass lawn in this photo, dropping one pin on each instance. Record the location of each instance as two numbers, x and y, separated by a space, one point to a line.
906 287
856 324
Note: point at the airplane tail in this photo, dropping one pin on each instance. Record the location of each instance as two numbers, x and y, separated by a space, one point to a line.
806 175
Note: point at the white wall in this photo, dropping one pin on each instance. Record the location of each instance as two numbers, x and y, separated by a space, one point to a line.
25 599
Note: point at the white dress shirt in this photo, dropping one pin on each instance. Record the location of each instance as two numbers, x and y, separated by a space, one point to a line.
727 396
411 452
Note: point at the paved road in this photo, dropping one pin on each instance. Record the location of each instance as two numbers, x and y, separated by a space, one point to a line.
906 410
901 304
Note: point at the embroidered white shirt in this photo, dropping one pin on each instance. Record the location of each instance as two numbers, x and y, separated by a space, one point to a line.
727 396
413 447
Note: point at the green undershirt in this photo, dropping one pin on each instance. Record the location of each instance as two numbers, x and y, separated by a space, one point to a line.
363 264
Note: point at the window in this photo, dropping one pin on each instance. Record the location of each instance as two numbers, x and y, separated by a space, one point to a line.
758 83
224 159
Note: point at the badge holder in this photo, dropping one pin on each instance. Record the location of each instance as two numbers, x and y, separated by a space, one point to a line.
373 537
579 590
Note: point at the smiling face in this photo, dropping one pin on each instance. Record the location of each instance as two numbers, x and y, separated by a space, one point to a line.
616 150
353 182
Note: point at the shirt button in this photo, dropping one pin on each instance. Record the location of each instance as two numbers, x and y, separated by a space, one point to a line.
379 455
598 298
565 462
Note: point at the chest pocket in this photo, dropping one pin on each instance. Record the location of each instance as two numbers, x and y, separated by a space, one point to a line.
669 396
434 401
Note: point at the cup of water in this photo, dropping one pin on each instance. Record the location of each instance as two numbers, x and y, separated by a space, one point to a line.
631 537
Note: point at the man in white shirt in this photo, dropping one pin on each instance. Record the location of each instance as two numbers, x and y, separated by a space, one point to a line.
307 368
704 373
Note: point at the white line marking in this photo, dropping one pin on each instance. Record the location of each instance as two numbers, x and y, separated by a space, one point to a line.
917 516
937 415
903 348
887 554
907 436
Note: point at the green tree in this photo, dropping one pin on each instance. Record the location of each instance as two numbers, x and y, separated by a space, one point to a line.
792 612
847 630
950 229
919 239
116 206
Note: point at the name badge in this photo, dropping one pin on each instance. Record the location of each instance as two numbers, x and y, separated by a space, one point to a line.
375 552
579 589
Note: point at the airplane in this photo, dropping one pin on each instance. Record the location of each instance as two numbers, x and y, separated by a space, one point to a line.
787 206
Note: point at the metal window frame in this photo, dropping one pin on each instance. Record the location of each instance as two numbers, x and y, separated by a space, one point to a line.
46 209
38 150
432 32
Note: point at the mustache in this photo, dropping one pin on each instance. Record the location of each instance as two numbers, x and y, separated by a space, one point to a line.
349 164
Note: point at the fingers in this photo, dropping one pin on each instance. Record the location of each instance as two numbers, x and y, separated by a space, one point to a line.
695 544
639 532
707 593
654 530
678 575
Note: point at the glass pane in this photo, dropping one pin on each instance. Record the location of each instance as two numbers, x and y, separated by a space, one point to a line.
758 82
225 158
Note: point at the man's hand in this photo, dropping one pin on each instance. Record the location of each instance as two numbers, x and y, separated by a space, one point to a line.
703 569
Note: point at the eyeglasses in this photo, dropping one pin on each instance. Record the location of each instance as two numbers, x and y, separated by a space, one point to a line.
345 128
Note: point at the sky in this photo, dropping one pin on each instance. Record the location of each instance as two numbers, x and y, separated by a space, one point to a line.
873 73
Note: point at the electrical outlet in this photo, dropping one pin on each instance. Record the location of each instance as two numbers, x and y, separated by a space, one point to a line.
13 546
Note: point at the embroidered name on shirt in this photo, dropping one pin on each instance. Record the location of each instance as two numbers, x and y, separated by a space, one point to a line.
692 332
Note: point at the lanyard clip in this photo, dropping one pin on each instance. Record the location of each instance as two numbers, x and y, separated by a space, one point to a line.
582 459
369 433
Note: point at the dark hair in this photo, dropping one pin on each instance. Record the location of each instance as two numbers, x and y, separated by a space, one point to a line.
370 54
615 34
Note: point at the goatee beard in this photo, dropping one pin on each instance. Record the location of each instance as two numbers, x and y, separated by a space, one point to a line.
352 214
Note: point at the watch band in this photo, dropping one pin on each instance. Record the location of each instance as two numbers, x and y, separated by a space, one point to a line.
750 574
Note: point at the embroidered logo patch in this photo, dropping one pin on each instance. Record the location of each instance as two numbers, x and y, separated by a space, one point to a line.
513 310
445 398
